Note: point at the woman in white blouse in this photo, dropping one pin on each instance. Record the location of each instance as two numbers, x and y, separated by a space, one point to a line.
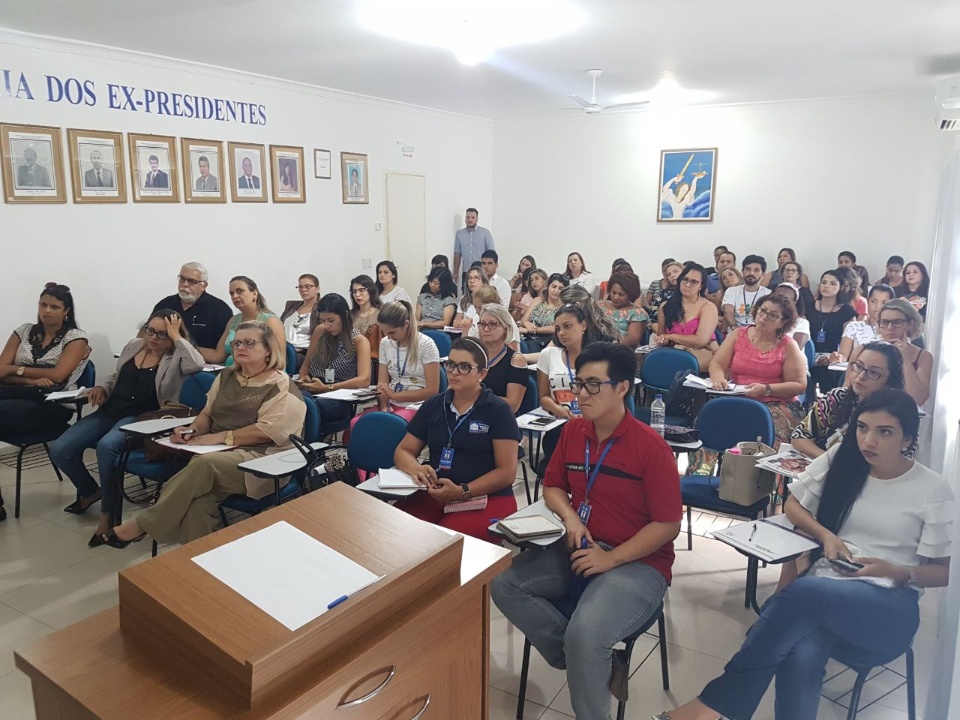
578 274
299 316
387 279
868 503
861 332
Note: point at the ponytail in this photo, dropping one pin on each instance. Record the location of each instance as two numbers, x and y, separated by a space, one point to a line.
395 314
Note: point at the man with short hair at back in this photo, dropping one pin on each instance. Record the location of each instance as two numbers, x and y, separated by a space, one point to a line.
490 262
468 245
204 315
738 301
717 252
613 482
724 260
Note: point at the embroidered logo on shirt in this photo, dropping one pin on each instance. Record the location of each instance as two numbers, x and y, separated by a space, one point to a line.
479 428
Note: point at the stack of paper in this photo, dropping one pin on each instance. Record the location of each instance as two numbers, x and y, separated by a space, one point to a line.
195 449
393 479
695 381
80 392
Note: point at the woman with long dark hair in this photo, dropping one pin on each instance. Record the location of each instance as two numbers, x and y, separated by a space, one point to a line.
578 274
830 312
687 321
247 298
517 282
437 307
867 502
916 286
388 280
861 332
364 306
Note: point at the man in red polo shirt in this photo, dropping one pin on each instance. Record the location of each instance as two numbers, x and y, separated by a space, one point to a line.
613 481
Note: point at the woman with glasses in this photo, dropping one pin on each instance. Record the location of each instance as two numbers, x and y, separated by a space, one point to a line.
763 358
800 332
899 324
338 358
364 306
488 295
688 321
472 438
476 279
793 273
252 409
775 277
299 317
623 289
861 332
437 305
247 298
150 372
507 369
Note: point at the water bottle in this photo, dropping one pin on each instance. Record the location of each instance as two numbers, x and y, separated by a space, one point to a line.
658 412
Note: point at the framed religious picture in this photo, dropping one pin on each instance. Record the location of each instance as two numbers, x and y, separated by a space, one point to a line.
688 183
286 169
248 165
322 162
32 164
353 173
153 168
96 166
203 179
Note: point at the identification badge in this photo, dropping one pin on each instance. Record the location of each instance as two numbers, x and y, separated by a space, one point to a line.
575 406
822 336
446 458
329 376
584 512
398 387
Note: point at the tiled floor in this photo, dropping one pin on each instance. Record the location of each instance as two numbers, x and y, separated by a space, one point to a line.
49 579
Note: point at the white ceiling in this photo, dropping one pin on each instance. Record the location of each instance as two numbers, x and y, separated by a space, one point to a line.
743 50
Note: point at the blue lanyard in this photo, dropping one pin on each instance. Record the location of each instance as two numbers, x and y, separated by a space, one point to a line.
403 370
592 477
566 361
451 433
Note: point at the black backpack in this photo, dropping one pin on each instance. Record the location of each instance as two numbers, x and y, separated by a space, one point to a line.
681 401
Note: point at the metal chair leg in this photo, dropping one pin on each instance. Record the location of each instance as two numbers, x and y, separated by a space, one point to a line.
911 687
16 503
524 669
55 468
223 516
664 667
855 693
689 528
526 481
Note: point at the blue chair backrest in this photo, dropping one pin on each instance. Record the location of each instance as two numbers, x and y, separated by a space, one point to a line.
531 397
88 377
194 390
631 403
311 422
662 364
441 339
443 380
809 352
374 439
292 368
725 421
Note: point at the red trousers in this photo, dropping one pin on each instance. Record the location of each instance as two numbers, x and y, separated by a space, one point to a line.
470 522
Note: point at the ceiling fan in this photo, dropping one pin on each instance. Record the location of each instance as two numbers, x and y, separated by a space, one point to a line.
592 107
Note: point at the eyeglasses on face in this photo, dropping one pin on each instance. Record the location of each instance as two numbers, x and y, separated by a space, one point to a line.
459 368
689 281
871 373
591 386
767 314
248 343
304 287
192 283
485 325
158 334
898 323
359 291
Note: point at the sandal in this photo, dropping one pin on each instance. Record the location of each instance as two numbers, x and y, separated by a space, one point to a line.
110 538
81 505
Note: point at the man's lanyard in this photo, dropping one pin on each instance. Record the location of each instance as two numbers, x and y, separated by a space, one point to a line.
592 477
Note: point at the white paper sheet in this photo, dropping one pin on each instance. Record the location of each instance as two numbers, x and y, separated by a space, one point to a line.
349 395
154 427
286 573
67 394
768 541
393 479
695 381
195 449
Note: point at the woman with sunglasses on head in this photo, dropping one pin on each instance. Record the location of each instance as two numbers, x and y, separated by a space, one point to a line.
253 408
506 369
688 320
247 298
793 273
899 323
299 316
150 372
472 438
867 501
800 332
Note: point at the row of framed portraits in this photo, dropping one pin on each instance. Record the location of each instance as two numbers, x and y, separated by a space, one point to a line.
33 169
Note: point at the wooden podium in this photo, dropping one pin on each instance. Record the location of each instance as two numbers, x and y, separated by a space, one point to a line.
181 644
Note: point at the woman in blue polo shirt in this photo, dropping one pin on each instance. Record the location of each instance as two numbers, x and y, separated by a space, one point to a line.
472 436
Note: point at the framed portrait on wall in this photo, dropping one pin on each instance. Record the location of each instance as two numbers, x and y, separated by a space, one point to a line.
248 164
286 169
322 162
32 164
96 166
202 171
153 168
688 183
353 173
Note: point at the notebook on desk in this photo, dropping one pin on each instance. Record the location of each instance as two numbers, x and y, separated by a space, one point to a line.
521 529
393 479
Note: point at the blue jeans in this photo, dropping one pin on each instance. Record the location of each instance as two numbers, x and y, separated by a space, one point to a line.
612 606
102 432
332 411
800 629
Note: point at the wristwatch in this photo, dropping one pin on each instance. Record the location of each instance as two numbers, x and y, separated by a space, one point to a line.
20 371
767 390
912 576
466 491
229 439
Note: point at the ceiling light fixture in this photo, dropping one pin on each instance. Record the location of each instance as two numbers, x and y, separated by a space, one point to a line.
471 29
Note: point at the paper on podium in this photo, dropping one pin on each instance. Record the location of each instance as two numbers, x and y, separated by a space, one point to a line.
393 479
286 573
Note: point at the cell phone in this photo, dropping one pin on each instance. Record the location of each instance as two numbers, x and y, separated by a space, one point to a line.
542 421
848 565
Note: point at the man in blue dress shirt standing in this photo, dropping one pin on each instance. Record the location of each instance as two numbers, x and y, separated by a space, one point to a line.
468 245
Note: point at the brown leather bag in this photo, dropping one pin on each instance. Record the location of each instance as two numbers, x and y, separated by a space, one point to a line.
151 450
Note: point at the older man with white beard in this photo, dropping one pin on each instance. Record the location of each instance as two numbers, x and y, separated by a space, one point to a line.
206 316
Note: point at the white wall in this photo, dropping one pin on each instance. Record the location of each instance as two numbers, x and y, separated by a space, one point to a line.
821 176
120 259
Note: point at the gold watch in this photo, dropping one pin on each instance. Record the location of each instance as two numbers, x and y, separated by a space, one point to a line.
229 438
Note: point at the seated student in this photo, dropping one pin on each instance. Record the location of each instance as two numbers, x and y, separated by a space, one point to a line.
246 297
866 501
775 277
364 306
204 316
476 279
916 286
801 328
662 290
440 261
338 358
620 265
857 301
725 260
150 372
555 367
299 317
738 302
623 289
506 369
534 283
847 259
900 323
50 354
487 295
472 437
537 321
577 295
688 319
578 274
729 277
765 359
437 307
861 332
490 262
517 282
793 273
613 482
717 252
894 274
387 287
830 312
254 407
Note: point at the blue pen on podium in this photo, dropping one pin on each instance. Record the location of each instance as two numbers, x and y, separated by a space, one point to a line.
336 602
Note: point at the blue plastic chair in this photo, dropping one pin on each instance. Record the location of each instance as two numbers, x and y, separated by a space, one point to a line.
442 340
374 439
25 440
809 351
657 375
291 368
444 384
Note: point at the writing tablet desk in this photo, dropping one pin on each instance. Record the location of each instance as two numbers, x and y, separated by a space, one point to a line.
182 645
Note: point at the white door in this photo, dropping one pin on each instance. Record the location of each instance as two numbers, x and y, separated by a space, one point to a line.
407 229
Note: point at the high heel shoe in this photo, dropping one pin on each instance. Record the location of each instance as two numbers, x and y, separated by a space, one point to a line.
81 505
110 538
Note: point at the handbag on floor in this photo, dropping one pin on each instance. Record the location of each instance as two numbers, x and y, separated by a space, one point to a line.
741 481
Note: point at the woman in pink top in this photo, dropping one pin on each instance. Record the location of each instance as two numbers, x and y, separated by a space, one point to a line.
764 359
688 319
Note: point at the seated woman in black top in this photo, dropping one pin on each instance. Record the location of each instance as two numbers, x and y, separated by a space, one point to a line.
829 314
507 370
473 439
